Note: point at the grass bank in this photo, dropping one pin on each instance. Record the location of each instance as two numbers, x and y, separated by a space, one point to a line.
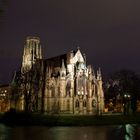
67 120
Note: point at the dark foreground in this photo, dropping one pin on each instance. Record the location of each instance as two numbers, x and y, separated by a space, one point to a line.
25 119
105 132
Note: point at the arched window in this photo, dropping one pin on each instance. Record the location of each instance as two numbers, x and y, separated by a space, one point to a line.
93 103
59 92
77 103
82 85
58 105
68 86
63 74
84 103
68 105
53 91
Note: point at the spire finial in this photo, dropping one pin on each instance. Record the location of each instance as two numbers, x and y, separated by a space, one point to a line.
78 47
63 65
99 70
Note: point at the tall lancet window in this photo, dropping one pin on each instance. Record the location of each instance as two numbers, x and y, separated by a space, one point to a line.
77 104
84 103
68 86
53 91
68 105
94 103
82 85
63 74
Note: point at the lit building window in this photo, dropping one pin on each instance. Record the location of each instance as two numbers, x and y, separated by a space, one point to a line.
68 88
93 103
68 105
77 103
84 103
78 92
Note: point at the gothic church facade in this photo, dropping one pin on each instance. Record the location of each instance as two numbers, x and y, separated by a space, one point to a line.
64 84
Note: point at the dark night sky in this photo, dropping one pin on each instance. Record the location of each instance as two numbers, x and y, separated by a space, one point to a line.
107 31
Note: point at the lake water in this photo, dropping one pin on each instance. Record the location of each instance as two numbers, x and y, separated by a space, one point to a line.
113 132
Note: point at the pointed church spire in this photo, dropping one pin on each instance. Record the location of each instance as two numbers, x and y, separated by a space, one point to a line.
78 47
93 71
99 75
84 55
71 54
13 82
63 65
99 71
63 69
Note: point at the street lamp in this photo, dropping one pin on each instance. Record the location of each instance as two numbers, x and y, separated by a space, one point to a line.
126 105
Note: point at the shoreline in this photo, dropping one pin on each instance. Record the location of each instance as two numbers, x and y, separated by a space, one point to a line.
28 119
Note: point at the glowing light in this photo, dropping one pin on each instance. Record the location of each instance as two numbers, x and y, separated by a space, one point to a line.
125 95
78 92
129 96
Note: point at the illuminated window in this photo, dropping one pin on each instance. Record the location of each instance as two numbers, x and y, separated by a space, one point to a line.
58 105
68 105
78 92
63 74
53 91
68 87
84 103
77 103
93 103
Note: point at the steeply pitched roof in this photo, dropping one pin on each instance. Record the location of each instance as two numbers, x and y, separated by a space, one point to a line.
56 61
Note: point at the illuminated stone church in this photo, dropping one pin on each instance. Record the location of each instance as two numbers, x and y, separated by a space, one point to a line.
64 84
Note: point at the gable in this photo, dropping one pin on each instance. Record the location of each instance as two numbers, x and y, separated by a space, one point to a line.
78 57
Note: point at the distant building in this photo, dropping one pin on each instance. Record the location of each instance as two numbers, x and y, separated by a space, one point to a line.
64 84
5 91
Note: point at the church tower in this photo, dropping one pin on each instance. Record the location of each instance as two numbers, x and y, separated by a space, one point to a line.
32 51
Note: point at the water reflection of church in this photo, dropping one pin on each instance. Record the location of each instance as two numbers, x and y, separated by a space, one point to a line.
62 84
